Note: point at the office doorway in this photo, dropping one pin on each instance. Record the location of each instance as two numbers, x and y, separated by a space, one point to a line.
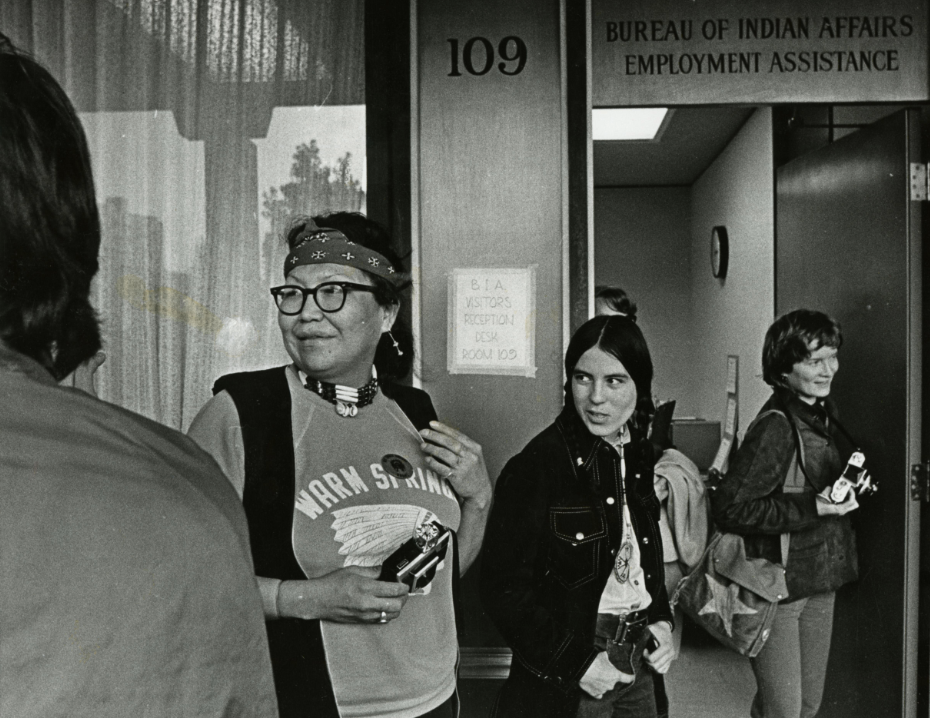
772 177
848 241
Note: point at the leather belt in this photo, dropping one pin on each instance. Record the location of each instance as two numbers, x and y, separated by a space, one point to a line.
619 629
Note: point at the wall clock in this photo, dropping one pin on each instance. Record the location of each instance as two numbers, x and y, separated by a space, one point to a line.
719 251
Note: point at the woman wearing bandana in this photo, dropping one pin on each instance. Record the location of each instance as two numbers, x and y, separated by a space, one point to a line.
572 571
337 466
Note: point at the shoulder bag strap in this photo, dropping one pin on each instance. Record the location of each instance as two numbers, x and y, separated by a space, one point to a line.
796 465
856 446
798 462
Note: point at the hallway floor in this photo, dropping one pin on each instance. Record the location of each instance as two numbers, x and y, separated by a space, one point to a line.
709 681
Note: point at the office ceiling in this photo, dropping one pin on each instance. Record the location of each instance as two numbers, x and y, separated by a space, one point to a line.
693 138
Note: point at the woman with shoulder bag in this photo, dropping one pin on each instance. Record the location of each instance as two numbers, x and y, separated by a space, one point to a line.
799 361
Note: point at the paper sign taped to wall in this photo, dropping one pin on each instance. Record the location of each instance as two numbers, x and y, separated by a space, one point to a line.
726 443
731 418
492 321
731 373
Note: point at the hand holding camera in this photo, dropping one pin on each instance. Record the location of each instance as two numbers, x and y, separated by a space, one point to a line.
347 595
855 478
840 498
825 507
415 562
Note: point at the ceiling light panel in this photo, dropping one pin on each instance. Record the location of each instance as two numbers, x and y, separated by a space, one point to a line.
627 123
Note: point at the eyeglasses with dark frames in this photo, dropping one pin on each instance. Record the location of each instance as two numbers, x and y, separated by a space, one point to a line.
329 296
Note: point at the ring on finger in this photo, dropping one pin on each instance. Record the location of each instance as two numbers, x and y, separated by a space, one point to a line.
383 618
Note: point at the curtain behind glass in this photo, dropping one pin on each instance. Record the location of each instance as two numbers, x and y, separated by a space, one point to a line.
209 123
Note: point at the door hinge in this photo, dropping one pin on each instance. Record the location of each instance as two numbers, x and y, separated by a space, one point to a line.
920 482
920 189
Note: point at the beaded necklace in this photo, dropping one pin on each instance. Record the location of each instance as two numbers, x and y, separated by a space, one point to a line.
346 399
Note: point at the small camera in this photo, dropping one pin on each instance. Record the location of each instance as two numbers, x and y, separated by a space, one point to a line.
854 478
416 560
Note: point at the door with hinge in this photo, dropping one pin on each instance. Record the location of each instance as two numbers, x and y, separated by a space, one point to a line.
848 243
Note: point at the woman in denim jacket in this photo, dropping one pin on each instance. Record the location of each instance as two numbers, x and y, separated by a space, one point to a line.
572 571
799 360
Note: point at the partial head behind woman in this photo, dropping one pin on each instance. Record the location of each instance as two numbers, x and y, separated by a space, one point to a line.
49 225
392 362
792 339
618 337
613 300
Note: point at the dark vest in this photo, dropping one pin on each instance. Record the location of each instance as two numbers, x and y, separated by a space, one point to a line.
263 401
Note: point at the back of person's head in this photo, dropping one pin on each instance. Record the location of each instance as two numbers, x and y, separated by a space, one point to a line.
392 364
792 338
49 225
613 300
620 337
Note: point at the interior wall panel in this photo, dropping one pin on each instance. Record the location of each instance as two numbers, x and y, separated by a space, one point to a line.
490 194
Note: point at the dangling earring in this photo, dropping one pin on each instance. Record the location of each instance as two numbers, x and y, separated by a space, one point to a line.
397 348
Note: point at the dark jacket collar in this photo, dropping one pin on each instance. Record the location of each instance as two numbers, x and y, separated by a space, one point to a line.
816 415
582 444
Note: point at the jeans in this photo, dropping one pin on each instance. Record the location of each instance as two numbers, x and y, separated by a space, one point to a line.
792 666
626 700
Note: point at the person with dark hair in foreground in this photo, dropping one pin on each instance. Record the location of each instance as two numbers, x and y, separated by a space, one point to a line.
338 465
776 492
127 584
572 569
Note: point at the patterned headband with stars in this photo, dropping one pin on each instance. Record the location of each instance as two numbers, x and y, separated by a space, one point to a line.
321 245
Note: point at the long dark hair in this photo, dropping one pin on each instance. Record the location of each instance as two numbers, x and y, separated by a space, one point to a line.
622 339
49 224
368 233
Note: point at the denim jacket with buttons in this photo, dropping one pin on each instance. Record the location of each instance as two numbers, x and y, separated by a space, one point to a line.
549 549
752 501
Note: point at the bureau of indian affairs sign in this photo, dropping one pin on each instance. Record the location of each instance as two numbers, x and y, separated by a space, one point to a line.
655 52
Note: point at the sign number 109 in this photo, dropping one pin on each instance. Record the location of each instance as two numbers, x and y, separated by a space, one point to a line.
512 51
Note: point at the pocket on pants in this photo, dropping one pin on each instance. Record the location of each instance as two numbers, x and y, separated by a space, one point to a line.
626 657
638 698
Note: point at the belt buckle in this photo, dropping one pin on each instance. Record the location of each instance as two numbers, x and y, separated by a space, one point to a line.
622 628
624 625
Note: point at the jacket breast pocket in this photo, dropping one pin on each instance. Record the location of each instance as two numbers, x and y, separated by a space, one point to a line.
577 536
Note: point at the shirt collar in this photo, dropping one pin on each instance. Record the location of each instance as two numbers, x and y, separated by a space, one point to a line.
582 444
14 362
816 414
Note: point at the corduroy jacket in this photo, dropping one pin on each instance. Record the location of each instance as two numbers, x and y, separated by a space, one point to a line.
549 549
751 499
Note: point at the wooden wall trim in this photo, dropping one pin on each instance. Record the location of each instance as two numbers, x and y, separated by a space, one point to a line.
484 663
578 112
